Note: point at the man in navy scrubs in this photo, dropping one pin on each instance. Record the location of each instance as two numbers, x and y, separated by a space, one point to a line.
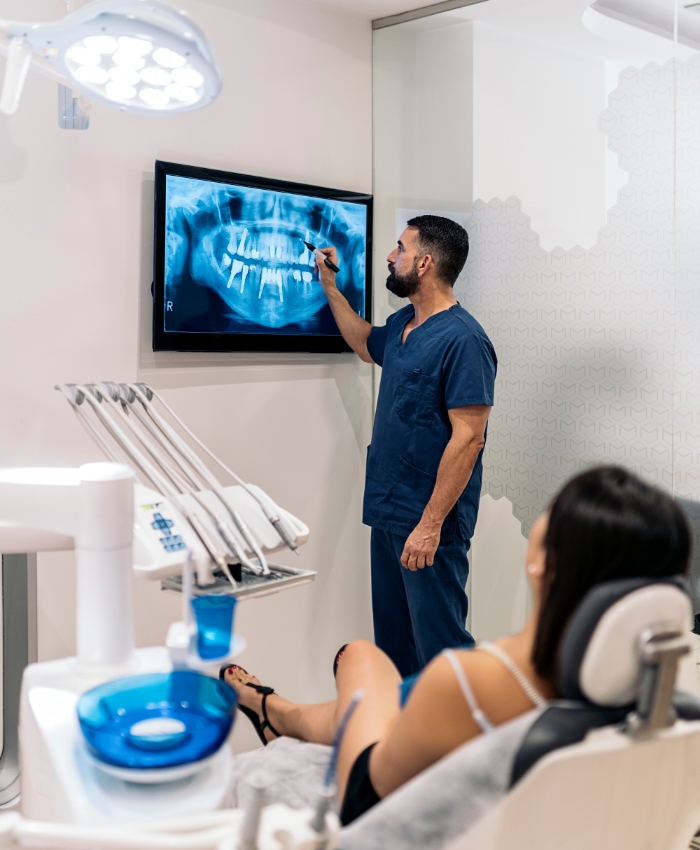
424 464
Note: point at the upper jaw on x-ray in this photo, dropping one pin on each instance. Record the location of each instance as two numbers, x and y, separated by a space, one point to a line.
246 245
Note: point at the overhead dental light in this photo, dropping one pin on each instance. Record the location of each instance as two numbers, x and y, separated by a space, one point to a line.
140 56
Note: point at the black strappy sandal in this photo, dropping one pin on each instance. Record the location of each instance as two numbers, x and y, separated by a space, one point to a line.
252 715
337 658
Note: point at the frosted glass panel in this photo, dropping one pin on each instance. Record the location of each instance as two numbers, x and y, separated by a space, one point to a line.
599 340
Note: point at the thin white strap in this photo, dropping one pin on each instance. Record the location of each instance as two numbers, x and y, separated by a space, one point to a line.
480 718
520 677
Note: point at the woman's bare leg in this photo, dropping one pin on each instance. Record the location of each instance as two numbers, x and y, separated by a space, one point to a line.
361 667
365 667
313 722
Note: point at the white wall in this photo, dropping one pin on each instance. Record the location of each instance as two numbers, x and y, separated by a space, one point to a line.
75 238
467 110
499 596
536 108
422 130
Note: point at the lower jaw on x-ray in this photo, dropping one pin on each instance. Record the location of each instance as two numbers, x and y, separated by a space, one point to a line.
235 260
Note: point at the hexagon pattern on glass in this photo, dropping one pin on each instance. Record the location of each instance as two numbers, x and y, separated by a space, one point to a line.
243 247
599 348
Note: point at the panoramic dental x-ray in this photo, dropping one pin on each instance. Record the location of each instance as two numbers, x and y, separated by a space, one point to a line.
236 261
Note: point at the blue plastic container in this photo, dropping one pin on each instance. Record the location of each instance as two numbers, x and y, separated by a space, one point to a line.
214 616
157 720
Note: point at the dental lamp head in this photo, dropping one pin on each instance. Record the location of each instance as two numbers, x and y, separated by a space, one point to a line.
140 56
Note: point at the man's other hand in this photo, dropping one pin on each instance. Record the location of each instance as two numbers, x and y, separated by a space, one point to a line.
325 275
421 546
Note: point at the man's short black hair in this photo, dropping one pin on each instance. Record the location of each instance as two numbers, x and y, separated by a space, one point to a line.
446 242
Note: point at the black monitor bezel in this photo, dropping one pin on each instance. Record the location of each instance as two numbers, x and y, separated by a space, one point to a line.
190 342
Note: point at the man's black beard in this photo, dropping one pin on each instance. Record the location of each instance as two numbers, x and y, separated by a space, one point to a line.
404 286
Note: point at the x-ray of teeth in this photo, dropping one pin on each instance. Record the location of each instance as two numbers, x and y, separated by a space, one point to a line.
235 261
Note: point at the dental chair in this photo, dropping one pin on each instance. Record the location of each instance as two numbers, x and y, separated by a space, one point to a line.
614 765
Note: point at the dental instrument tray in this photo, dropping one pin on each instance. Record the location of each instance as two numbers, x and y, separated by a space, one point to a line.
250 585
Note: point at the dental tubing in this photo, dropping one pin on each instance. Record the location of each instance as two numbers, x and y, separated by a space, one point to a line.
152 470
186 451
187 478
144 439
272 515
338 738
327 792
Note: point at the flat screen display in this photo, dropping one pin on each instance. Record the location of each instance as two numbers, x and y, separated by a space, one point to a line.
232 271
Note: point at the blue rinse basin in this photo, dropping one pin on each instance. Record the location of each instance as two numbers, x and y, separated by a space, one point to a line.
157 720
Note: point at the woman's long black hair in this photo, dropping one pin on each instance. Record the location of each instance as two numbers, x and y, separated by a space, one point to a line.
604 524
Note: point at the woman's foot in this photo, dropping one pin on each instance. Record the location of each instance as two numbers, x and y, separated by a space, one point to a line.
252 698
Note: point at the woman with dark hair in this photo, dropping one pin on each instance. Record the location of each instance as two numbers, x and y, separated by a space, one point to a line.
604 524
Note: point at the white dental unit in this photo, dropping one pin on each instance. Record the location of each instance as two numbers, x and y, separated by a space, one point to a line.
175 515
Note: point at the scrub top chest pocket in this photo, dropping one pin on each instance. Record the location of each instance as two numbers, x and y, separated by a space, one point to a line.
415 397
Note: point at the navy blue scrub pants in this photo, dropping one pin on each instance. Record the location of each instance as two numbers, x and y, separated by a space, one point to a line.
418 614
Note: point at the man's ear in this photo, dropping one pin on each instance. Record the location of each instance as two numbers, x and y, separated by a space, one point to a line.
425 262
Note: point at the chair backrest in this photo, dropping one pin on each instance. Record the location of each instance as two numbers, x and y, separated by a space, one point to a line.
576 785
599 658
601 668
610 792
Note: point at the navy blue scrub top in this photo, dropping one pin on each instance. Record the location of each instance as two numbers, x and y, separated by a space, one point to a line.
446 362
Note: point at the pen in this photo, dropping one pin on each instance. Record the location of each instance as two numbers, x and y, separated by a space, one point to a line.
332 266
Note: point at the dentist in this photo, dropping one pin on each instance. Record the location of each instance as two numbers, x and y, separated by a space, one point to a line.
424 465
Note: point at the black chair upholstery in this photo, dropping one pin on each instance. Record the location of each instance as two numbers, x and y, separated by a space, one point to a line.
561 724
567 722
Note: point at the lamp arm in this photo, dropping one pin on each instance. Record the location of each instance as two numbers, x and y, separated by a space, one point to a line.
37 63
19 57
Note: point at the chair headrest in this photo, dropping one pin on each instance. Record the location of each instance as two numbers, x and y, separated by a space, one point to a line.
599 659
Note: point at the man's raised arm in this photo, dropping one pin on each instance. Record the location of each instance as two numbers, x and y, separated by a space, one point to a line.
354 328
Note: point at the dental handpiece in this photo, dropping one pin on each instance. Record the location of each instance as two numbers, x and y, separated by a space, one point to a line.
329 263
323 803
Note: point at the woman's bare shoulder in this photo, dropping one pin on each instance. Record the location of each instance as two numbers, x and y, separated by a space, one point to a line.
480 667
495 688
439 680
434 721
438 695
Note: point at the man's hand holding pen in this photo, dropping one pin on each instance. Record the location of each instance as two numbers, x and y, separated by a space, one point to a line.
325 275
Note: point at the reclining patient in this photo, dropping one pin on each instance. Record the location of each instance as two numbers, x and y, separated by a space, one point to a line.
605 524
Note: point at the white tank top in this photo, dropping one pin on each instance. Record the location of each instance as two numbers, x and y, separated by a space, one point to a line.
480 718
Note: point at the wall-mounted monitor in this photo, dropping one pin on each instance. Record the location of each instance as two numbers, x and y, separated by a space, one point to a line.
232 272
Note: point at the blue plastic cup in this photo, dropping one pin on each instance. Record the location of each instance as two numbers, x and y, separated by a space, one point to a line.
214 615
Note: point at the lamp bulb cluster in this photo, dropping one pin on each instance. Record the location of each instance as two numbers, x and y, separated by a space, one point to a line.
128 69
